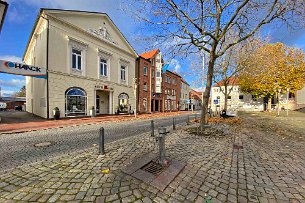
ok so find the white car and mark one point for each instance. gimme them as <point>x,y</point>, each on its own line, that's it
<point>2,106</point>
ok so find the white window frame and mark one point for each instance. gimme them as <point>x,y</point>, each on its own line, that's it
<point>82,47</point>
<point>124,63</point>
<point>145,72</point>
<point>103,69</point>
<point>106,56</point>
<point>77,57</point>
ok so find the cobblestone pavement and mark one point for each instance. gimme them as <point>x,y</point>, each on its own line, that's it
<point>19,149</point>
<point>263,166</point>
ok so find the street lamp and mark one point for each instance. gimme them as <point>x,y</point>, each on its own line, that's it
<point>287,100</point>
<point>135,86</point>
<point>3,9</point>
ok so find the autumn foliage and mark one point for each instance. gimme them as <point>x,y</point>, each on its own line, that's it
<point>272,67</point>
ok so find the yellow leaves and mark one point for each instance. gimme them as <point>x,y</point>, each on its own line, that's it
<point>273,66</point>
<point>105,171</point>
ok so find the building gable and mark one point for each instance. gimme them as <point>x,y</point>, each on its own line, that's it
<point>98,24</point>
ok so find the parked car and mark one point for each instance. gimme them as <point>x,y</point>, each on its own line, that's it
<point>2,106</point>
<point>18,108</point>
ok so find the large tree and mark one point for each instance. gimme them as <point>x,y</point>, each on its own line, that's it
<point>271,68</point>
<point>21,92</point>
<point>188,26</point>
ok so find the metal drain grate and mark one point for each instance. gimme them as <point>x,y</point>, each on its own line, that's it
<point>153,167</point>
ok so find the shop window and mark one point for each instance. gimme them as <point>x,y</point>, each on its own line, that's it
<point>76,59</point>
<point>76,102</point>
<point>124,106</point>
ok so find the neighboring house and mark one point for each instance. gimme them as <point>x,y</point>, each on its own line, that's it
<point>295,101</point>
<point>237,100</point>
<point>89,62</point>
<point>195,100</point>
<point>171,88</point>
<point>149,78</point>
<point>12,102</point>
<point>3,10</point>
<point>184,98</point>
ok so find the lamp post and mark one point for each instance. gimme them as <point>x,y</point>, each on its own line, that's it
<point>278,102</point>
<point>287,100</point>
<point>135,85</point>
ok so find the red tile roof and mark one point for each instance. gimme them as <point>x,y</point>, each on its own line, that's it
<point>232,81</point>
<point>150,54</point>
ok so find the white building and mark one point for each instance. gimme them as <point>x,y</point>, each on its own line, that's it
<point>237,100</point>
<point>184,96</point>
<point>89,63</point>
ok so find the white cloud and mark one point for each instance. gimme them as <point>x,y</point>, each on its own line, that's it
<point>12,83</point>
<point>11,58</point>
<point>7,93</point>
<point>175,65</point>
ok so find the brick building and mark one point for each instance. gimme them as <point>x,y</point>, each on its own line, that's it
<point>149,78</point>
<point>171,88</point>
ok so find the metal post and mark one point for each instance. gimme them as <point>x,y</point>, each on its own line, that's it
<point>152,126</point>
<point>162,133</point>
<point>188,119</point>
<point>287,100</point>
<point>102,141</point>
<point>174,124</point>
<point>196,116</point>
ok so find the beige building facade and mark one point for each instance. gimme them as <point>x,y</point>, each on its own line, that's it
<point>90,65</point>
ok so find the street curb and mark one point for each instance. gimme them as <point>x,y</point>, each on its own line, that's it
<point>42,129</point>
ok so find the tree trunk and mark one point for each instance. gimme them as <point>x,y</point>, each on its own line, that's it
<point>206,93</point>
<point>226,98</point>
<point>269,104</point>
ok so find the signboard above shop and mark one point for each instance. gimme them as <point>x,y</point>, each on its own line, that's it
<point>22,69</point>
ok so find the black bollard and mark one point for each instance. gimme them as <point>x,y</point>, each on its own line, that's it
<point>174,124</point>
<point>102,141</point>
<point>152,127</point>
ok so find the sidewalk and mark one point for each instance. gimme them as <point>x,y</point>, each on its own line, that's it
<point>48,124</point>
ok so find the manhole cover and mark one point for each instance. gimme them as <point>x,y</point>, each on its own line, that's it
<point>43,144</point>
<point>154,168</point>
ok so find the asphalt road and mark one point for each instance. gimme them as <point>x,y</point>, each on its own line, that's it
<point>19,149</point>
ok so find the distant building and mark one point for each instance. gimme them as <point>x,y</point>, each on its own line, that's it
<point>171,87</point>
<point>12,102</point>
<point>237,100</point>
<point>149,78</point>
<point>185,96</point>
<point>195,100</point>
<point>90,65</point>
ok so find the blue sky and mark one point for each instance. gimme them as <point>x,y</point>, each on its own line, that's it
<point>21,16</point>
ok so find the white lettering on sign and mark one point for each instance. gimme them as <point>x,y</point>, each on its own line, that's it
<point>22,69</point>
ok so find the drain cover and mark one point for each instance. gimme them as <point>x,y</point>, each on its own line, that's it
<point>43,144</point>
<point>154,168</point>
